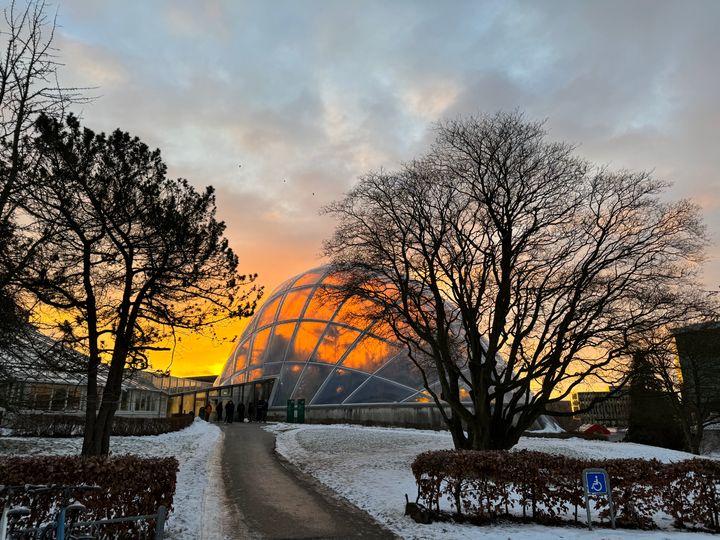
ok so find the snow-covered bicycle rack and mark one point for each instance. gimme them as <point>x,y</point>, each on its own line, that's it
<point>63,531</point>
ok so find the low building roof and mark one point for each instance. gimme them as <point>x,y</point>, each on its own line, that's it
<point>35,358</point>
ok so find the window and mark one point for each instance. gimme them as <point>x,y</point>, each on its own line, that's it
<point>58,398</point>
<point>74,398</point>
<point>41,396</point>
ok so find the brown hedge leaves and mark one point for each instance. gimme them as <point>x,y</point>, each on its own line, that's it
<point>130,486</point>
<point>66,425</point>
<point>489,485</point>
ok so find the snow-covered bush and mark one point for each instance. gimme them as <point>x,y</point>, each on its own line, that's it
<point>66,425</point>
<point>128,486</point>
<point>488,485</point>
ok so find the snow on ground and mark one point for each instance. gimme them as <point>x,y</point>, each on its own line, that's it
<point>371,468</point>
<point>584,449</point>
<point>197,451</point>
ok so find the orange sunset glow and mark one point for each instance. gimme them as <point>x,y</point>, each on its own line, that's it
<point>283,123</point>
<point>321,349</point>
<point>202,354</point>
<point>359,269</point>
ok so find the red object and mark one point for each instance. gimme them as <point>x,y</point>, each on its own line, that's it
<point>591,429</point>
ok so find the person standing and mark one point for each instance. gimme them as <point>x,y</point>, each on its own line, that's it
<point>251,411</point>
<point>263,409</point>
<point>229,411</point>
<point>208,411</point>
<point>219,408</point>
<point>241,412</point>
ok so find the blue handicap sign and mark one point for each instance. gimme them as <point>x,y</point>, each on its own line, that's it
<point>596,482</point>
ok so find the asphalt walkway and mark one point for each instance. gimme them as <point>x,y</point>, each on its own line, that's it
<point>273,499</point>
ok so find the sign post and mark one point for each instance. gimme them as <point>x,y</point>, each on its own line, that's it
<point>300,417</point>
<point>290,418</point>
<point>597,482</point>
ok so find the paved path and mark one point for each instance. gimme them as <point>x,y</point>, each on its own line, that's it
<point>275,500</point>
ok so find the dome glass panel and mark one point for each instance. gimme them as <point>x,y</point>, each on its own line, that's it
<point>378,391</point>
<point>318,309</point>
<point>369,354</point>
<point>312,378</point>
<point>309,278</point>
<point>259,345</point>
<point>293,304</point>
<point>267,313</point>
<point>334,343</point>
<point>401,369</point>
<point>321,348</point>
<point>306,339</point>
<point>279,343</point>
<point>272,368</point>
<point>241,357</point>
<point>339,386</point>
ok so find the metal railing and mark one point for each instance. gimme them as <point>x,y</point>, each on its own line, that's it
<point>59,527</point>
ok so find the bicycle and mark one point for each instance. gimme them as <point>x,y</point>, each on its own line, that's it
<point>11,514</point>
<point>60,527</point>
<point>64,523</point>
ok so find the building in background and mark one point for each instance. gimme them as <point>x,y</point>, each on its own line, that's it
<point>40,376</point>
<point>698,348</point>
<point>611,412</point>
<point>321,351</point>
<point>345,367</point>
<point>568,422</point>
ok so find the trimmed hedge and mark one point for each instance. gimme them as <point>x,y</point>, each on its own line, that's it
<point>130,486</point>
<point>485,486</point>
<point>66,425</point>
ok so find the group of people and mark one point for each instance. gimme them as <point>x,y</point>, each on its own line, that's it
<point>228,412</point>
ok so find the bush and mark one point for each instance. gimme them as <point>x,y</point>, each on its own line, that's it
<point>489,485</point>
<point>65,425</point>
<point>130,486</point>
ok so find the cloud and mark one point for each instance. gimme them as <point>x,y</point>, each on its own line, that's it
<point>283,105</point>
<point>96,65</point>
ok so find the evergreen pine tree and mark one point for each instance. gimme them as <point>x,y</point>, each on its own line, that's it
<point>652,419</point>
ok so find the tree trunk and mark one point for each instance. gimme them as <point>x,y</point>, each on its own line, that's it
<point>99,441</point>
<point>688,436</point>
<point>105,422</point>
<point>505,439</point>
<point>696,439</point>
<point>454,424</point>
<point>90,411</point>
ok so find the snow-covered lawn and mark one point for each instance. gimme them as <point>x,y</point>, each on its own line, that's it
<point>371,468</point>
<point>368,466</point>
<point>197,451</point>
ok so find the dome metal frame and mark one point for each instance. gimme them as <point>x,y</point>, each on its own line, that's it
<point>368,384</point>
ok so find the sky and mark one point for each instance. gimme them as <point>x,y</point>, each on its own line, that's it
<point>282,105</point>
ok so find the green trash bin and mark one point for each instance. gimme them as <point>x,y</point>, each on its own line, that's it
<point>290,411</point>
<point>300,411</point>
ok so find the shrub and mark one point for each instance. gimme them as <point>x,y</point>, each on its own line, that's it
<point>489,485</point>
<point>65,425</point>
<point>130,486</point>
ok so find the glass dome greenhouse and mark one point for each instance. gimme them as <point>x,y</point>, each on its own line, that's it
<point>321,351</point>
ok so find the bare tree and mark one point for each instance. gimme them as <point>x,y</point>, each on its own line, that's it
<point>28,86</point>
<point>124,257</point>
<point>518,269</point>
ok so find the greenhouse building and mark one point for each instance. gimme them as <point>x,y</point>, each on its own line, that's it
<point>303,345</point>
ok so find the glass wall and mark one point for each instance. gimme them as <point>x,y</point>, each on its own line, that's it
<point>174,405</point>
<point>321,350</point>
<point>200,401</point>
<point>240,393</point>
